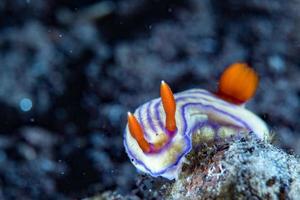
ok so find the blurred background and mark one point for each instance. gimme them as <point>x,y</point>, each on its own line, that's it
<point>70,70</point>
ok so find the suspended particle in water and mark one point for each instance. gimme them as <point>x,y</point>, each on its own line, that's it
<point>25,104</point>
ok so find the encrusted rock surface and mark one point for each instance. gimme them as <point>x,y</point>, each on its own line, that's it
<point>244,169</point>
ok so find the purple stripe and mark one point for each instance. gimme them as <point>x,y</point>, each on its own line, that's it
<point>149,118</point>
<point>204,92</point>
<point>220,101</point>
<point>158,116</point>
<point>142,122</point>
<point>207,107</point>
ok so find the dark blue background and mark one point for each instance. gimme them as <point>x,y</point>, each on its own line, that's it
<point>83,64</point>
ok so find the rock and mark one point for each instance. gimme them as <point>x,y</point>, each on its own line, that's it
<point>112,196</point>
<point>244,169</point>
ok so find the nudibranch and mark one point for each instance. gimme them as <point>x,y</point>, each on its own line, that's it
<point>161,132</point>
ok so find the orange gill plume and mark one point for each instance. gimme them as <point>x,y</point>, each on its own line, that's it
<point>169,106</point>
<point>238,83</point>
<point>136,132</point>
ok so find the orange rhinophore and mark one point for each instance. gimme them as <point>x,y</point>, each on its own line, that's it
<point>136,132</point>
<point>169,105</point>
<point>238,83</point>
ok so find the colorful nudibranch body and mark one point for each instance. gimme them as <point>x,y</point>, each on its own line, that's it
<point>162,131</point>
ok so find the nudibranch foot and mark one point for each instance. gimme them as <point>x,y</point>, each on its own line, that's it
<point>161,132</point>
